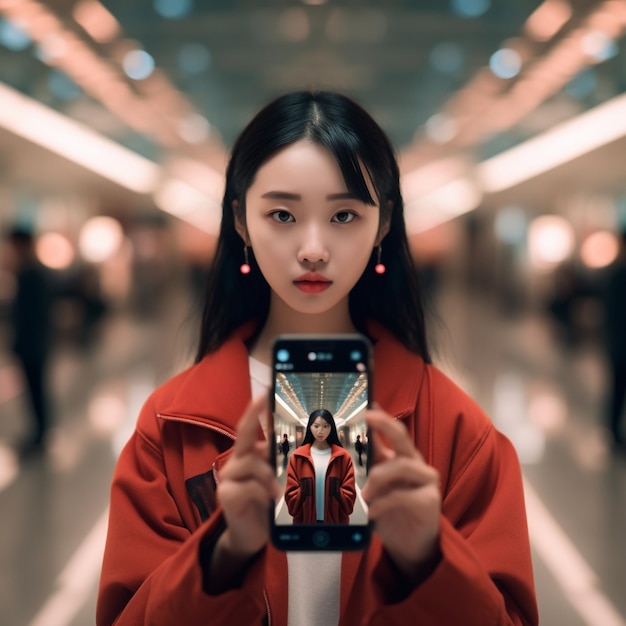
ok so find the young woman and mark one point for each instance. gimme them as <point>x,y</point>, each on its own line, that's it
<point>313,241</point>
<point>320,478</point>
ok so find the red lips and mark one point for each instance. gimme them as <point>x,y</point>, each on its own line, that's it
<point>312,282</point>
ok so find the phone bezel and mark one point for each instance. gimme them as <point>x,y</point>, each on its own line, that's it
<point>313,537</point>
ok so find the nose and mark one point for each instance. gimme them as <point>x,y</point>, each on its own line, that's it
<point>312,248</point>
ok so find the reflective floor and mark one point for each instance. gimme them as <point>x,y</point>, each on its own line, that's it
<point>546,399</point>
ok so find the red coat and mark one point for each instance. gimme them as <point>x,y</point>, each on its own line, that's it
<point>164,514</point>
<point>339,487</point>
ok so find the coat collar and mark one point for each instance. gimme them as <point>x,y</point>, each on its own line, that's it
<point>398,373</point>
<point>217,389</point>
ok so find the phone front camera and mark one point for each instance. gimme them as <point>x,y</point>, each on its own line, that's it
<point>282,355</point>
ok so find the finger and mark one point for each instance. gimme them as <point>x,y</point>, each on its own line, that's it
<point>248,427</point>
<point>248,467</point>
<point>399,474</point>
<point>422,503</point>
<point>380,450</point>
<point>394,432</point>
<point>240,498</point>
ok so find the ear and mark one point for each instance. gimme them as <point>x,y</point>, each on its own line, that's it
<point>240,225</point>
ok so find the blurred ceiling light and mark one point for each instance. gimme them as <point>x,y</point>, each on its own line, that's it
<point>138,64</point>
<point>173,9</point>
<point>55,251</point>
<point>186,202</point>
<point>548,19</point>
<point>102,79</point>
<point>200,176</point>
<point>432,176</point>
<point>599,249</point>
<point>194,129</point>
<point>599,46</point>
<point>441,128</point>
<point>294,24</point>
<point>451,200</point>
<point>100,238</point>
<point>550,241</point>
<point>505,63</point>
<point>314,2</point>
<point>567,141</point>
<point>14,35</point>
<point>96,21</point>
<point>470,8</point>
<point>45,127</point>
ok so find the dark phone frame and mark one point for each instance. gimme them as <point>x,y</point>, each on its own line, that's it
<point>312,537</point>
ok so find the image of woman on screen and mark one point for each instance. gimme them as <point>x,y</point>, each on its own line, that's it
<point>320,477</point>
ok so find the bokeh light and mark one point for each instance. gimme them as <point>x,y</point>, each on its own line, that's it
<point>599,249</point>
<point>441,128</point>
<point>138,64</point>
<point>55,251</point>
<point>599,46</point>
<point>470,8</point>
<point>173,9</point>
<point>550,241</point>
<point>505,63</point>
<point>100,238</point>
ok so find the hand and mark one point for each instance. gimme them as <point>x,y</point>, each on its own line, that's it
<point>403,496</point>
<point>246,487</point>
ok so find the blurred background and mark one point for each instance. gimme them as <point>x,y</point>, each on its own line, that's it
<point>509,119</point>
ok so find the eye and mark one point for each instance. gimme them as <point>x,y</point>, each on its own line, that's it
<point>284,217</point>
<point>344,217</point>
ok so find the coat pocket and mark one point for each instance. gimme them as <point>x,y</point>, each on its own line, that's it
<point>306,487</point>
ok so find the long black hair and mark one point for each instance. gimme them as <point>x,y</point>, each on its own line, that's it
<point>327,416</point>
<point>339,124</point>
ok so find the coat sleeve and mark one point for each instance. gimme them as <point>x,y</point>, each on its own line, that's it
<point>485,573</point>
<point>153,570</point>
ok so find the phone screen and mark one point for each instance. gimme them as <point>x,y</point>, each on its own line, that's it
<point>319,446</point>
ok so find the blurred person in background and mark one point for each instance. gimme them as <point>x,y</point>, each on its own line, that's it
<point>615,336</point>
<point>31,325</point>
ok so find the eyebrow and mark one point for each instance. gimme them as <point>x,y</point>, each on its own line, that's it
<point>286,195</point>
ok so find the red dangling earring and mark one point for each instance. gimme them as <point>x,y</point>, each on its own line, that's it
<point>380,267</point>
<point>245,266</point>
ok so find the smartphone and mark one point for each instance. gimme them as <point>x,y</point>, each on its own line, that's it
<point>319,442</point>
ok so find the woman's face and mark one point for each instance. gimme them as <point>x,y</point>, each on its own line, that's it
<point>311,238</point>
<point>320,429</point>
